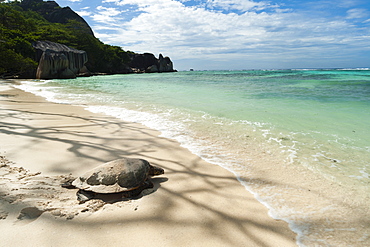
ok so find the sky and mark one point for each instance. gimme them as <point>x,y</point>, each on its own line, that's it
<point>236,34</point>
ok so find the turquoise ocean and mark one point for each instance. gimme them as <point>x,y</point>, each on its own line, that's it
<point>299,140</point>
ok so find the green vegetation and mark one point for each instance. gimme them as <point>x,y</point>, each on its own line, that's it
<point>20,27</point>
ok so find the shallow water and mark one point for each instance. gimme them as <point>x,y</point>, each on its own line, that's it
<point>297,139</point>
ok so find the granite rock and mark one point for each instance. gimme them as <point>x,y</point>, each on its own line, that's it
<point>58,61</point>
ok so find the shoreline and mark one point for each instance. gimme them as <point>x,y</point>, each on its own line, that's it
<point>194,201</point>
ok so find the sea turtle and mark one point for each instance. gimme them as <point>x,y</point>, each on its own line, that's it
<point>129,177</point>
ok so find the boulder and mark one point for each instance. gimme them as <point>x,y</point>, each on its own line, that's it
<point>58,61</point>
<point>84,72</point>
<point>152,69</point>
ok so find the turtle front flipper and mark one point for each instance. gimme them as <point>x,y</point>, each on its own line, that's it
<point>84,195</point>
<point>136,192</point>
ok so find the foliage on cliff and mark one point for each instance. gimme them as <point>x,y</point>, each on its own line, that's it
<point>20,26</point>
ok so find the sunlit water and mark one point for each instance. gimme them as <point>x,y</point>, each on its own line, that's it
<point>299,140</point>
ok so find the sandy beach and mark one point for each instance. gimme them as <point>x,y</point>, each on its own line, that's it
<point>193,204</point>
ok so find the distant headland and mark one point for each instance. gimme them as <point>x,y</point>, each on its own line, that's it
<point>45,41</point>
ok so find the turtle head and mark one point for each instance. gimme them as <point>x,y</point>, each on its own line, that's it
<point>154,171</point>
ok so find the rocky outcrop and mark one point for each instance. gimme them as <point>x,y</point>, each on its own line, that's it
<point>165,64</point>
<point>148,63</point>
<point>57,61</point>
<point>141,62</point>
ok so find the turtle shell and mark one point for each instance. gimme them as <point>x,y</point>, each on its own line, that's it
<point>115,176</point>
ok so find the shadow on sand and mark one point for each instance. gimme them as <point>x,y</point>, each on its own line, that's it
<point>86,144</point>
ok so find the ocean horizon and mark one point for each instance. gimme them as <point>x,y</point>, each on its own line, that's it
<point>297,139</point>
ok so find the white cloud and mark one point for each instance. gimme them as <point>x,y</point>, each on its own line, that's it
<point>106,15</point>
<point>188,32</point>
<point>357,13</point>
<point>84,13</point>
<point>108,11</point>
<point>347,3</point>
<point>241,5</point>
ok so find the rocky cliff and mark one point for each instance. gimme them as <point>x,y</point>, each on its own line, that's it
<point>57,61</point>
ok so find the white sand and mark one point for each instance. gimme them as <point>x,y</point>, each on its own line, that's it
<point>193,204</point>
